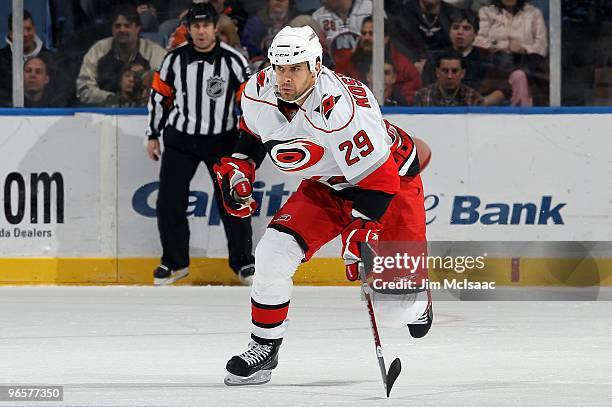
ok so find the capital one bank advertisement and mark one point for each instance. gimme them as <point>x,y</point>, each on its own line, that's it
<point>484,182</point>
<point>542,178</point>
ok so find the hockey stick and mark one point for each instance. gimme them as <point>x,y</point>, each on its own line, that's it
<point>388,377</point>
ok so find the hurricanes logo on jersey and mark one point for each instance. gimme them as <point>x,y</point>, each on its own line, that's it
<point>327,105</point>
<point>294,155</point>
<point>261,80</point>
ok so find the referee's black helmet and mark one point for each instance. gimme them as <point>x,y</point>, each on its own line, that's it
<point>199,12</point>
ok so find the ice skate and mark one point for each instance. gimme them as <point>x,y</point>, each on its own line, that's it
<point>420,327</point>
<point>164,275</point>
<point>253,366</point>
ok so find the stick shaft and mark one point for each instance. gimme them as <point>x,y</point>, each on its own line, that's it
<point>377,344</point>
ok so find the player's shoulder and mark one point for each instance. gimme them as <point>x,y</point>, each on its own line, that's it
<point>336,102</point>
<point>259,89</point>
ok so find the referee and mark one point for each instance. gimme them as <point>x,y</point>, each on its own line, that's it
<point>192,101</point>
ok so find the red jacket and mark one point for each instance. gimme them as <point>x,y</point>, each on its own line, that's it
<point>408,78</point>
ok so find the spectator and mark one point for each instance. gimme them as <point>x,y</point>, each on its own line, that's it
<point>104,61</point>
<point>393,97</point>
<point>262,27</point>
<point>421,26</point>
<point>448,90</point>
<point>512,26</point>
<point>32,46</point>
<point>227,32</point>
<point>85,23</point>
<point>177,29</point>
<point>134,84</point>
<point>515,31</point>
<point>148,16</point>
<point>480,72</point>
<point>36,85</point>
<point>88,12</point>
<point>233,9</point>
<point>341,21</point>
<point>357,66</point>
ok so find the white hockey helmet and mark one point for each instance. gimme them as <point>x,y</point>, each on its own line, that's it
<point>293,45</point>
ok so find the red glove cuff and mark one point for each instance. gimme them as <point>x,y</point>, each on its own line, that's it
<point>358,231</point>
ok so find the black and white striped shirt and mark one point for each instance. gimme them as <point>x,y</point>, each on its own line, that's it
<point>195,92</point>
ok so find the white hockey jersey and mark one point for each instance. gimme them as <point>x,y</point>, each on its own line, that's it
<point>337,137</point>
<point>343,35</point>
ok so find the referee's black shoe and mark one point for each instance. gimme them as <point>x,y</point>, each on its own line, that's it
<point>246,273</point>
<point>164,275</point>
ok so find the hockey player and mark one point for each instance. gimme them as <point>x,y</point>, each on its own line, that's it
<point>360,181</point>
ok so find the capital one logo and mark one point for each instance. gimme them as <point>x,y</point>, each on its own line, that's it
<point>470,210</point>
<point>202,204</point>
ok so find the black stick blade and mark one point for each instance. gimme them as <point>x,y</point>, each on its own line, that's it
<point>394,371</point>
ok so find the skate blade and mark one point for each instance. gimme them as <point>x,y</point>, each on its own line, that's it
<point>261,377</point>
<point>179,275</point>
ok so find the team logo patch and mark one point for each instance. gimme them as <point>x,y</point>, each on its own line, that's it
<point>294,155</point>
<point>327,105</point>
<point>215,87</point>
<point>261,80</point>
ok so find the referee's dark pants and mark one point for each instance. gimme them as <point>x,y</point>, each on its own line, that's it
<point>180,159</point>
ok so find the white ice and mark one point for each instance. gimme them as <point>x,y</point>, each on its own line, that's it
<point>151,346</point>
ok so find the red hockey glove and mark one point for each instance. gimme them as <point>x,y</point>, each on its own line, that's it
<point>235,178</point>
<point>358,231</point>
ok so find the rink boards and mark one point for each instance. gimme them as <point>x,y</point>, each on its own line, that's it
<point>78,198</point>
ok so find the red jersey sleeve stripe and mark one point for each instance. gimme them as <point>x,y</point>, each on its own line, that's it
<point>385,178</point>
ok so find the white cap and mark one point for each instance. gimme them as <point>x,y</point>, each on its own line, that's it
<point>293,45</point>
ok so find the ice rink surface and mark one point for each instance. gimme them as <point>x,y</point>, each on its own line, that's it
<point>147,346</point>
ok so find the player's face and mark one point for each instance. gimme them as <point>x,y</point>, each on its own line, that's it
<point>449,74</point>
<point>293,80</point>
<point>462,35</point>
<point>203,34</point>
